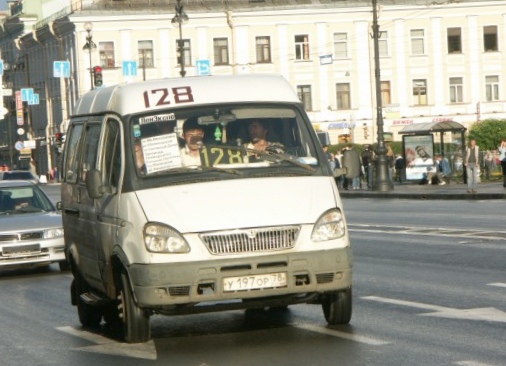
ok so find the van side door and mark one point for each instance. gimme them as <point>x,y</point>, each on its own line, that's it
<point>79,214</point>
<point>107,218</point>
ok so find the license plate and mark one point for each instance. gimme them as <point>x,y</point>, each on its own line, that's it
<point>254,282</point>
<point>21,250</point>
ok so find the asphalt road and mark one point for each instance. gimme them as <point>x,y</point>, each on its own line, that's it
<point>429,289</point>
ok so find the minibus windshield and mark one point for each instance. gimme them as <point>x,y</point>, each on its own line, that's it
<point>225,139</point>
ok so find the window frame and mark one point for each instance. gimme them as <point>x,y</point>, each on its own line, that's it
<point>490,39</point>
<point>220,58</point>
<point>306,97</point>
<point>420,98</point>
<point>302,49</point>
<point>142,51</point>
<point>343,96</point>
<point>454,39</point>
<point>492,88</point>
<point>263,49</point>
<point>415,39</point>
<point>338,43</point>
<point>456,85</point>
<point>107,56</point>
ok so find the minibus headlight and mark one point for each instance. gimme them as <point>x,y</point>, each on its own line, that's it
<point>329,226</point>
<point>163,239</point>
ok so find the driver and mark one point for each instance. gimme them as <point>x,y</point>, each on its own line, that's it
<point>193,135</point>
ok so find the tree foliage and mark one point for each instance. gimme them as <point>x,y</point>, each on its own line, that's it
<point>488,133</point>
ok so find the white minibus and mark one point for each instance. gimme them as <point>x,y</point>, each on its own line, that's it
<point>200,194</point>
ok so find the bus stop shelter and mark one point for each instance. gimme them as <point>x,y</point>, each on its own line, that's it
<point>422,138</point>
<point>436,128</point>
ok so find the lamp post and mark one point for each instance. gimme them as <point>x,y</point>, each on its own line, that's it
<point>383,182</point>
<point>89,46</point>
<point>180,18</point>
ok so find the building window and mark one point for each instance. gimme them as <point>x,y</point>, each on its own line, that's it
<point>343,96</point>
<point>492,88</point>
<point>420,92</point>
<point>186,52</point>
<point>454,40</point>
<point>145,49</point>
<point>106,50</point>
<point>385,93</point>
<point>263,47</point>
<point>456,90</point>
<point>304,93</point>
<point>417,42</point>
<point>221,51</point>
<point>383,44</point>
<point>340,45</point>
<point>302,47</point>
<point>490,38</point>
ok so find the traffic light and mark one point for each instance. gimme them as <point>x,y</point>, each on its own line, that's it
<point>97,76</point>
<point>58,138</point>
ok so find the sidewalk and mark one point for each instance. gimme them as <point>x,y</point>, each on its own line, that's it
<point>413,190</point>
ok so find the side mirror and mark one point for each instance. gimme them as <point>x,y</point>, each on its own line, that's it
<point>59,205</point>
<point>94,183</point>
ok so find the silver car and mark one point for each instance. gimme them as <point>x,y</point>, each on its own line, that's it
<point>31,230</point>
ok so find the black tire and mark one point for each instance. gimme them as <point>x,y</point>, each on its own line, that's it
<point>136,326</point>
<point>64,266</point>
<point>89,316</point>
<point>337,307</point>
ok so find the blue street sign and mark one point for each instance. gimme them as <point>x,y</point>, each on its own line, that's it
<point>34,100</point>
<point>203,67</point>
<point>26,94</point>
<point>61,69</point>
<point>1,67</point>
<point>129,68</point>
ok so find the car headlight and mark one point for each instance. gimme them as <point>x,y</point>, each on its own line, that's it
<point>159,238</point>
<point>329,226</point>
<point>53,233</point>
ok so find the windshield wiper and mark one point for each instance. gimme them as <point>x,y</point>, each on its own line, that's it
<point>277,158</point>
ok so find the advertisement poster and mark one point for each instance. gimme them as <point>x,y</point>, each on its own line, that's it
<point>418,154</point>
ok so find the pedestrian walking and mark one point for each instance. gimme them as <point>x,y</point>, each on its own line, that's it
<point>472,163</point>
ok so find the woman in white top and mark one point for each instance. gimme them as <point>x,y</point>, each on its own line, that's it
<point>502,158</point>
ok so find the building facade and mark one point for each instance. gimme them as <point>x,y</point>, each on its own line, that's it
<point>438,61</point>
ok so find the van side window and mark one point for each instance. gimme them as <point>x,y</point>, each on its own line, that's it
<point>69,171</point>
<point>111,163</point>
<point>90,144</point>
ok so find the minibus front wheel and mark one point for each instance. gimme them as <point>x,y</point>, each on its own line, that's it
<point>136,326</point>
<point>337,307</point>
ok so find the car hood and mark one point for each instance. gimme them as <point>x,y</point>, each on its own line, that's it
<point>239,203</point>
<point>30,221</point>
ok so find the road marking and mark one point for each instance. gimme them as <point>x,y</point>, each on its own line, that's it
<point>339,334</point>
<point>449,232</point>
<point>107,346</point>
<point>471,363</point>
<point>484,314</point>
<point>497,284</point>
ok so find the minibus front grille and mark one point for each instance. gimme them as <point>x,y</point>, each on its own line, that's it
<point>251,240</point>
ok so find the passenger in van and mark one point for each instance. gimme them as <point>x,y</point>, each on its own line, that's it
<point>258,131</point>
<point>193,135</point>
<point>139,158</point>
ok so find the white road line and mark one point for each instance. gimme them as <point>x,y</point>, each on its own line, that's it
<point>107,346</point>
<point>497,284</point>
<point>336,333</point>
<point>471,363</point>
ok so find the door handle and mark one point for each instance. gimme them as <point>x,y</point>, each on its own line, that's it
<point>72,211</point>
